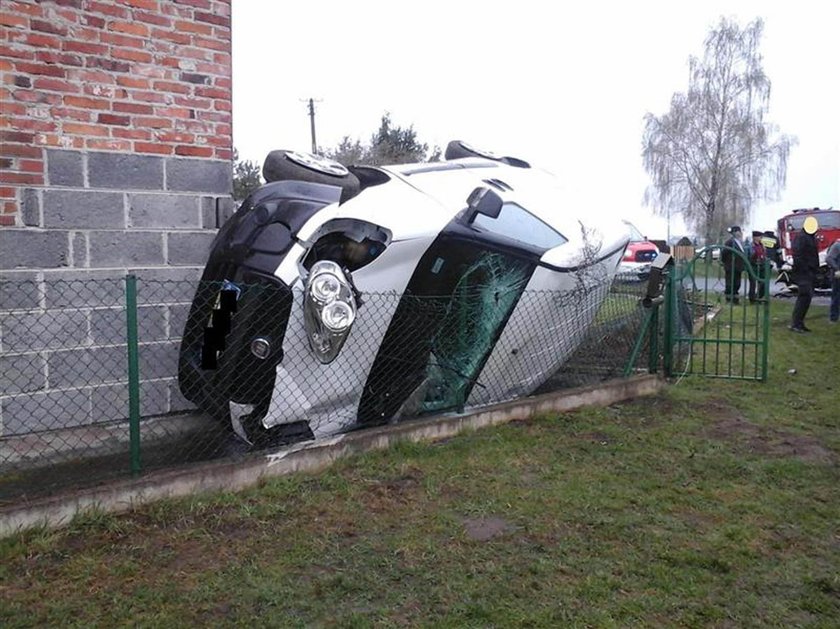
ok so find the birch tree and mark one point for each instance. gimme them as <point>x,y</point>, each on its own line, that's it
<point>713,155</point>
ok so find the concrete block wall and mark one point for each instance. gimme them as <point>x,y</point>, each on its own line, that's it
<point>115,157</point>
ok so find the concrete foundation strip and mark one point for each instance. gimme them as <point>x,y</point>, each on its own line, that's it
<point>229,475</point>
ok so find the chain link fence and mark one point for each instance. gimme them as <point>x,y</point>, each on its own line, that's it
<point>104,378</point>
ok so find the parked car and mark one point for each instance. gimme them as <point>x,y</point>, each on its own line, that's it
<point>342,297</point>
<point>637,258</point>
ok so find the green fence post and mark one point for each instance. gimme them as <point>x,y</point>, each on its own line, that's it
<point>766,332</point>
<point>668,332</point>
<point>653,355</point>
<point>133,371</point>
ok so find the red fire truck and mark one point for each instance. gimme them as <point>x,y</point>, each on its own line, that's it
<point>829,230</point>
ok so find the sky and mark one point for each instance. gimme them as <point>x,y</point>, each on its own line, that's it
<point>564,86</point>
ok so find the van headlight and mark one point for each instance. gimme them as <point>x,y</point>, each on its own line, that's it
<point>329,310</point>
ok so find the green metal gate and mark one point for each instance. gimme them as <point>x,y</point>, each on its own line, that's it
<point>712,329</point>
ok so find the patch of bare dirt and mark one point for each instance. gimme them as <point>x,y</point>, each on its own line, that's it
<point>484,529</point>
<point>747,436</point>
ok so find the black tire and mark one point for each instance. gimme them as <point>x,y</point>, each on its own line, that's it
<point>285,165</point>
<point>457,149</point>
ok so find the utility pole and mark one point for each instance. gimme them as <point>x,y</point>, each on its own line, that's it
<point>312,125</point>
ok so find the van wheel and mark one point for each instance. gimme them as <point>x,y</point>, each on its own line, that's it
<point>283,165</point>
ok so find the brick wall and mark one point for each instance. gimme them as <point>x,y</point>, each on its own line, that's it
<point>115,149</point>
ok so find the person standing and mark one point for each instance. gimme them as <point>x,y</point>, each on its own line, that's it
<point>757,255</point>
<point>733,264</point>
<point>806,263</point>
<point>832,258</point>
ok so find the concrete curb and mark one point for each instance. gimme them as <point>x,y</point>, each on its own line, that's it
<point>307,457</point>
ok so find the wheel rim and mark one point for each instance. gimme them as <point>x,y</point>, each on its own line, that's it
<point>317,163</point>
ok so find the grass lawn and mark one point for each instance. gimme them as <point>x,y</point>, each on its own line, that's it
<point>716,503</point>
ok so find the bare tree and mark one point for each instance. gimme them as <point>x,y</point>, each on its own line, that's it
<point>712,156</point>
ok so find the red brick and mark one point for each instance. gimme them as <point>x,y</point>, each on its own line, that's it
<point>7,192</point>
<point>108,9</point>
<point>64,141</point>
<point>148,97</point>
<point>212,44</point>
<point>171,87</point>
<point>16,52</point>
<point>28,96</point>
<point>130,28</point>
<point>66,113</point>
<point>7,220</point>
<point>88,77</point>
<point>195,53</point>
<point>87,103</point>
<point>131,55</point>
<point>149,147</point>
<point>85,47</point>
<point>198,4</point>
<point>13,21</point>
<point>31,166</point>
<point>173,36</point>
<point>36,40</point>
<point>152,18</point>
<point>175,112</point>
<point>17,136</point>
<point>30,178</point>
<point>175,137</point>
<point>211,92</point>
<point>212,18</point>
<point>106,91</point>
<point>133,81</point>
<point>56,85</point>
<point>192,102</point>
<point>26,8</point>
<point>221,105</point>
<point>148,5</point>
<point>93,21</point>
<point>48,56</point>
<point>193,151</point>
<point>68,15</point>
<point>125,41</point>
<point>34,124</point>
<point>133,108</point>
<point>48,27</point>
<point>192,27</point>
<point>108,145</point>
<point>19,150</point>
<point>108,64</point>
<point>40,69</point>
<point>84,129</point>
<point>113,119</point>
<point>131,133</point>
<point>152,123</point>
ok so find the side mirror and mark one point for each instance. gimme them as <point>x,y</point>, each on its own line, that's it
<point>656,281</point>
<point>483,201</point>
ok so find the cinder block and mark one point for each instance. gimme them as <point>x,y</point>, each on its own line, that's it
<point>84,289</point>
<point>215,211</point>
<point>87,367</point>
<point>125,248</point>
<point>65,168</point>
<point>26,248</point>
<point>30,207</point>
<point>108,326</point>
<point>109,403</point>
<point>83,209</point>
<point>189,249</point>
<point>178,320</point>
<point>45,411</point>
<point>43,330</point>
<point>167,286</point>
<point>199,175</point>
<point>167,211</point>
<point>125,172</point>
<point>19,290</point>
<point>159,360</point>
<point>21,373</point>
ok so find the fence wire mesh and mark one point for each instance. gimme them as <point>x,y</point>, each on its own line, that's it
<point>227,370</point>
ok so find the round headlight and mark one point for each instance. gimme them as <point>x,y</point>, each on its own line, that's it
<point>325,287</point>
<point>338,316</point>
